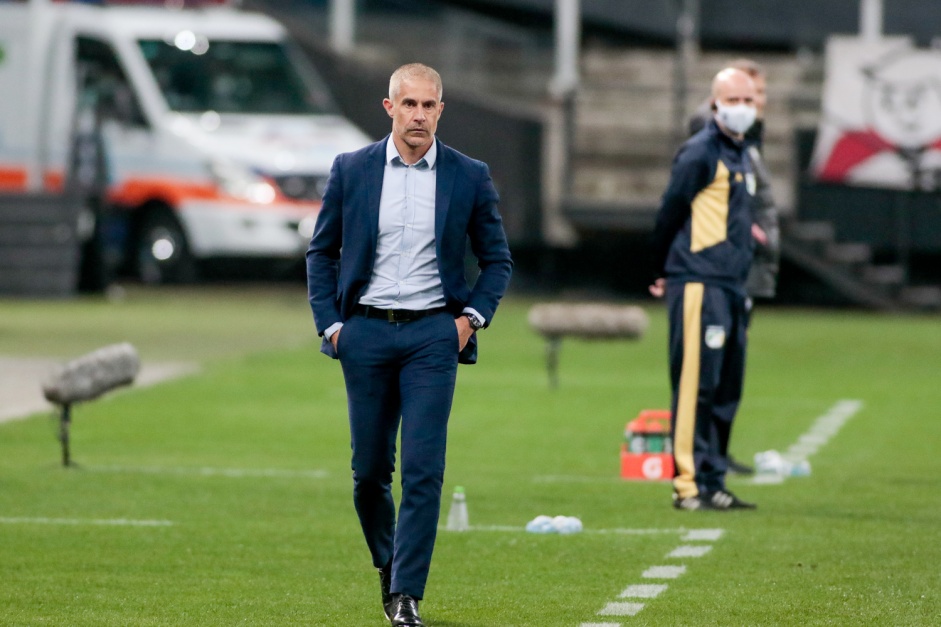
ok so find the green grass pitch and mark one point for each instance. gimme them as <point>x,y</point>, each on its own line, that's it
<point>245,466</point>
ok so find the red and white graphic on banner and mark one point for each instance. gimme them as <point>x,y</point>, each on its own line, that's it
<point>881,119</point>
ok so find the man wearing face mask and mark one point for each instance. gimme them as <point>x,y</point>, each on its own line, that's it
<point>763,276</point>
<point>703,245</point>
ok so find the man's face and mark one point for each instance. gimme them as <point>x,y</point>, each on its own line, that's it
<point>737,89</point>
<point>415,112</point>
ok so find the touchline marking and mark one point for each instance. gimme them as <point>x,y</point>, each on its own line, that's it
<point>653,590</point>
<point>663,572</point>
<point>600,625</point>
<point>620,608</point>
<point>643,591</point>
<point>689,551</point>
<point>710,534</point>
<point>823,429</point>
<point>116,522</point>
<point>233,473</point>
<point>820,433</point>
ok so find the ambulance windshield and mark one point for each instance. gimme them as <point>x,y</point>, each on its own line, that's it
<point>247,77</point>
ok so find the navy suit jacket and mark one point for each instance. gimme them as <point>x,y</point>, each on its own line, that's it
<point>343,248</point>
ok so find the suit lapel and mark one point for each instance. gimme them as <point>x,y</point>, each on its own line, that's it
<point>374,166</point>
<point>444,184</point>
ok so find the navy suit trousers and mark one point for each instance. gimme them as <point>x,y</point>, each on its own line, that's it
<point>399,373</point>
<point>707,368</point>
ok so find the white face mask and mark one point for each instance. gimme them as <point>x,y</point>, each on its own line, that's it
<point>737,118</point>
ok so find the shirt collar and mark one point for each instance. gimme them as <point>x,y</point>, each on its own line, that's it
<point>430,157</point>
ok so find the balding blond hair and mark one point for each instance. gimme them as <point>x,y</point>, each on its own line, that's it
<point>411,71</point>
<point>725,76</point>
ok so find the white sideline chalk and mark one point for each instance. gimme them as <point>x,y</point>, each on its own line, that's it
<point>706,535</point>
<point>663,572</point>
<point>233,473</point>
<point>643,591</point>
<point>621,609</point>
<point>115,522</point>
<point>688,550</point>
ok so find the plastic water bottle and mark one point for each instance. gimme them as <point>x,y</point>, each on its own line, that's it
<point>457,516</point>
<point>800,468</point>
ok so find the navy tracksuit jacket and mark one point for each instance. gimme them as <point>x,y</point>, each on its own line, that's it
<point>703,246</point>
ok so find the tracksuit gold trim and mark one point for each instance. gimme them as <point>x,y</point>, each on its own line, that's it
<point>710,212</point>
<point>684,483</point>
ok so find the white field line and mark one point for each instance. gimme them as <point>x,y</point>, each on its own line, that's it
<point>114,522</point>
<point>692,534</point>
<point>816,437</point>
<point>621,608</point>
<point>653,590</point>
<point>823,429</point>
<point>232,473</point>
<point>663,572</point>
<point>702,535</point>
<point>689,551</point>
<point>643,591</point>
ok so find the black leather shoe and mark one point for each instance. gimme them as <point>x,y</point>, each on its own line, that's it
<point>385,583</point>
<point>406,612</point>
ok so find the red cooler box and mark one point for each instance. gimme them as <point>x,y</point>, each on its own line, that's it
<point>647,452</point>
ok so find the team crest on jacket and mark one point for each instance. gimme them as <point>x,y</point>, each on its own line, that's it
<point>750,183</point>
<point>715,336</point>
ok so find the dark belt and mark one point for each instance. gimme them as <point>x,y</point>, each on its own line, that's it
<point>395,315</point>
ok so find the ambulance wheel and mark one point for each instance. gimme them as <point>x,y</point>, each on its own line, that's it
<point>162,252</point>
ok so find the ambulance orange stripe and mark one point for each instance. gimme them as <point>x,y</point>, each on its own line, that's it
<point>12,179</point>
<point>133,192</point>
<point>53,180</point>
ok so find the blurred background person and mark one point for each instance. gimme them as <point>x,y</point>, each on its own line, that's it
<point>763,276</point>
<point>703,245</point>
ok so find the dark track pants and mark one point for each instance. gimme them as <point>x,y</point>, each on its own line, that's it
<point>399,372</point>
<point>707,368</point>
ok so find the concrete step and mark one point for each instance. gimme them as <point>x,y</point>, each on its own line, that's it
<point>926,297</point>
<point>651,64</point>
<point>811,232</point>
<point>886,275</point>
<point>628,185</point>
<point>850,254</point>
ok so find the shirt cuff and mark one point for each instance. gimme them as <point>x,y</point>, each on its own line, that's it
<point>477,316</point>
<point>333,328</point>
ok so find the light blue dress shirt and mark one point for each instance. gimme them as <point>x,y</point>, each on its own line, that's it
<point>405,274</point>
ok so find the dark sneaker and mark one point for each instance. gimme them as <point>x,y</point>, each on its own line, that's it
<point>739,468</point>
<point>385,584</point>
<point>690,503</point>
<point>725,500</point>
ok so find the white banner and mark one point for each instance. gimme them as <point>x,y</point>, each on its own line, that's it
<point>881,119</point>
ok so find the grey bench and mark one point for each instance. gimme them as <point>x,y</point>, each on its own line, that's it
<point>586,321</point>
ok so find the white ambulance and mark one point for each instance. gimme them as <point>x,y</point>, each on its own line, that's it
<point>216,136</point>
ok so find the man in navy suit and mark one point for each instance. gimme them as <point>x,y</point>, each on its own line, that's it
<point>386,282</point>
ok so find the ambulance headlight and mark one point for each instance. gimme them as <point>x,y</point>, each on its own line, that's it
<point>240,182</point>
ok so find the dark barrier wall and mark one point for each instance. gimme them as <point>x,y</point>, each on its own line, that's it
<point>510,143</point>
<point>888,220</point>
<point>39,250</point>
<point>785,24</point>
